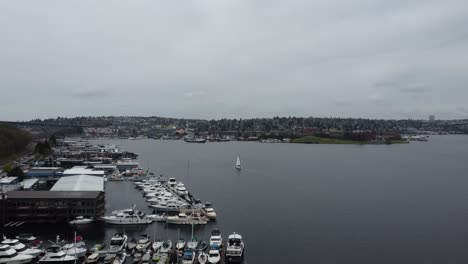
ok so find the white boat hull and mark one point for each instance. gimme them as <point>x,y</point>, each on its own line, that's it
<point>19,259</point>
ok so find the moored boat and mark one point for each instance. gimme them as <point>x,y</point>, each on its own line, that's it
<point>81,220</point>
<point>235,248</point>
<point>9,256</point>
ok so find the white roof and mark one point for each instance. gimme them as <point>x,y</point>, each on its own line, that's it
<point>7,180</point>
<point>82,170</point>
<point>79,183</point>
<point>28,183</point>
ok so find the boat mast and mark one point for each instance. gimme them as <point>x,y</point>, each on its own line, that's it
<point>75,247</point>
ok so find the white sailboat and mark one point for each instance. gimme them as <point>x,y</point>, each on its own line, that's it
<point>238,162</point>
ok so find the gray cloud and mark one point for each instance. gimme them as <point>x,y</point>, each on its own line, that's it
<point>213,59</point>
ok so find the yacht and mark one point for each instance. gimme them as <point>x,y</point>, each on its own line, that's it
<point>216,239</point>
<point>120,259</point>
<point>188,257</point>
<point>143,243</point>
<point>163,259</point>
<point>184,219</point>
<point>118,243</point>
<point>169,206</point>
<point>93,258</point>
<point>172,182</point>
<point>55,255</point>
<point>180,189</point>
<point>26,237</point>
<point>192,244</point>
<point>166,247</point>
<point>180,244</point>
<point>127,217</point>
<point>235,248</point>
<point>209,211</point>
<point>10,256</point>
<point>213,256</point>
<point>146,258</point>
<point>202,258</point>
<point>132,244</point>
<point>81,220</point>
<point>20,248</point>
<point>157,244</point>
<point>75,249</point>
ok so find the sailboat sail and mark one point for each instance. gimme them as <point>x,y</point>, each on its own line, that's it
<point>238,162</point>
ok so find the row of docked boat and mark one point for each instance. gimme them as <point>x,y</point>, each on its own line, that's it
<point>14,251</point>
<point>172,197</point>
<point>145,251</point>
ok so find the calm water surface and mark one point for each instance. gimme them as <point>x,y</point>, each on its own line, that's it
<point>316,203</point>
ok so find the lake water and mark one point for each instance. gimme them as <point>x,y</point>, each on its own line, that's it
<point>316,203</point>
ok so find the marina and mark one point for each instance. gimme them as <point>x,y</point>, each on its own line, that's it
<point>168,203</point>
<point>291,179</point>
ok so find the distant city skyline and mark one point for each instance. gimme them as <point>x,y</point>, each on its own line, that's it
<point>234,59</point>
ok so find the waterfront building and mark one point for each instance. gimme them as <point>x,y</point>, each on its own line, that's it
<point>51,206</point>
<point>83,170</point>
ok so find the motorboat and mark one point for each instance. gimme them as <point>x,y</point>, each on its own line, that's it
<point>188,257</point>
<point>166,247</point>
<point>146,258</point>
<point>120,259</point>
<point>184,219</point>
<point>109,259</point>
<point>118,243</point>
<point>180,244</point>
<point>164,259</point>
<point>96,248</point>
<point>192,244</point>
<point>235,248</point>
<point>180,189</point>
<point>132,244</point>
<point>202,246</point>
<point>9,256</point>
<point>81,220</point>
<point>216,238</point>
<point>55,255</point>
<point>172,182</point>
<point>169,206</point>
<point>157,244</point>
<point>78,250</point>
<point>137,257</point>
<point>157,217</point>
<point>156,257</point>
<point>202,258</point>
<point>213,256</point>
<point>26,238</point>
<point>127,217</point>
<point>20,248</point>
<point>143,243</point>
<point>209,211</point>
<point>93,258</point>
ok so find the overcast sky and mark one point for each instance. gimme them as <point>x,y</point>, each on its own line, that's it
<point>214,59</point>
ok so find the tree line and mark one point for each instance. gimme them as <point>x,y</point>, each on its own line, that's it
<point>12,140</point>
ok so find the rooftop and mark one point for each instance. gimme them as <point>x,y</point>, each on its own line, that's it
<point>28,183</point>
<point>7,180</point>
<point>79,183</point>
<point>81,170</point>
<point>52,195</point>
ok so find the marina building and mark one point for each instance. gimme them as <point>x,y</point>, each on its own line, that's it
<point>83,170</point>
<point>72,196</point>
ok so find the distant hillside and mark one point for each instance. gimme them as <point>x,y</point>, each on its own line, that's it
<point>12,141</point>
